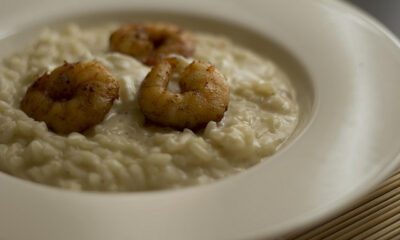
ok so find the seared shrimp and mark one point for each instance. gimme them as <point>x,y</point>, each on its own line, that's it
<point>151,42</point>
<point>204,95</point>
<point>72,98</point>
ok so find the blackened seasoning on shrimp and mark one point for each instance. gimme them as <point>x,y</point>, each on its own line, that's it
<point>72,98</point>
<point>152,41</point>
<point>204,95</point>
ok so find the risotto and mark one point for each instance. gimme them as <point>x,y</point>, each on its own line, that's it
<point>124,153</point>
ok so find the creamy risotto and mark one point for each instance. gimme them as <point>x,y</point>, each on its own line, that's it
<point>124,153</point>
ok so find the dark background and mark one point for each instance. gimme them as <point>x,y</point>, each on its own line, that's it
<point>386,11</point>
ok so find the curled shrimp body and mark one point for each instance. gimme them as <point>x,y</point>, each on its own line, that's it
<point>204,94</point>
<point>151,42</point>
<point>72,98</point>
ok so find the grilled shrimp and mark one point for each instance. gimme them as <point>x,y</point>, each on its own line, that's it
<point>151,42</point>
<point>203,97</point>
<point>72,98</point>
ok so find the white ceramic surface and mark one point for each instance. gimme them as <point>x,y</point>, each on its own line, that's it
<point>349,141</point>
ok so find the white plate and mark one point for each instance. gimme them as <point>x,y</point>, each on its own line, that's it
<point>348,141</point>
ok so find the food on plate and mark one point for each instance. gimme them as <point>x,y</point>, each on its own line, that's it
<point>202,95</point>
<point>124,151</point>
<point>72,98</point>
<point>150,42</point>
